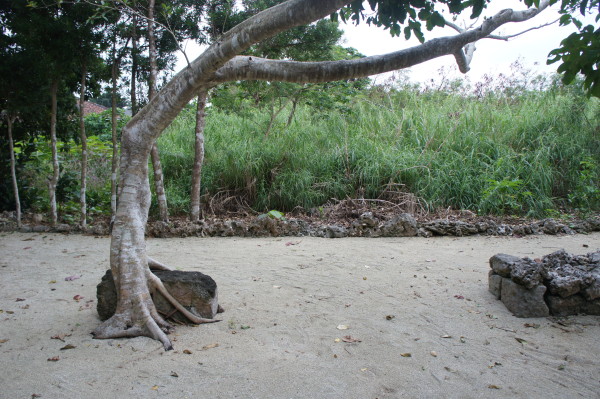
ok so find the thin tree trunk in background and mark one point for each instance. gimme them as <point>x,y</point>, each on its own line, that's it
<point>134,65</point>
<point>13,169</point>
<point>291,117</point>
<point>53,180</point>
<point>152,52</point>
<point>84,155</point>
<point>159,185</point>
<point>198,157</point>
<point>115,145</point>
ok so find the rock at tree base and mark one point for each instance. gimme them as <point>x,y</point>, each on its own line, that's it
<point>559,284</point>
<point>196,291</point>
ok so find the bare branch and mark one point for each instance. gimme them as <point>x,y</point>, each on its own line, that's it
<point>507,37</point>
<point>464,56</point>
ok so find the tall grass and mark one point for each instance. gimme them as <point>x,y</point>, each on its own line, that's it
<point>517,154</point>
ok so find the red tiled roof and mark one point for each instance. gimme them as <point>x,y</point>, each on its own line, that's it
<point>92,108</point>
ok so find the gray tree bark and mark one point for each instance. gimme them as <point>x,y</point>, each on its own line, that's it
<point>198,157</point>
<point>136,314</point>
<point>10,120</point>
<point>159,184</point>
<point>84,154</point>
<point>134,65</point>
<point>115,144</point>
<point>53,180</point>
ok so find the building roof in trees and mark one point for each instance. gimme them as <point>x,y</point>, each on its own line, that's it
<point>92,108</point>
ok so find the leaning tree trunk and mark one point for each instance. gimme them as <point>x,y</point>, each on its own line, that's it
<point>84,155</point>
<point>198,157</point>
<point>13,169</point>
<point>159,184</point>
<point>53,180</point>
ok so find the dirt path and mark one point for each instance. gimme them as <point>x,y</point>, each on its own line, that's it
<point>428,326</point>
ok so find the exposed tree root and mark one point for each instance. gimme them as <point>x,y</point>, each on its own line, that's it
<point>142,319</point>
<point>156,265</point>
<point>158,285</point>
<point>126,325</point>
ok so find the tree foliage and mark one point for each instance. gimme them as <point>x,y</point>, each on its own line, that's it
<point>580,51</point>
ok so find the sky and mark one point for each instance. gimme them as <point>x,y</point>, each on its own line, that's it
<point>491,57</point>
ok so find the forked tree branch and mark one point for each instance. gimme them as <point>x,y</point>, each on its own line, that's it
<point>254,68</point>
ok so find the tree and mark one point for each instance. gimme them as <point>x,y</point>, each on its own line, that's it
<point>136,314</point>
<point>198,156</point>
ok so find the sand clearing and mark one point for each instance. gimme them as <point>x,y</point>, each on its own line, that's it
<point>423,322</point>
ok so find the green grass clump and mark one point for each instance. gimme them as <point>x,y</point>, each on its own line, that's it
<point>521,154</point>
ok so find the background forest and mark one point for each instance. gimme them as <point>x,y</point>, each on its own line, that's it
<point>517,144</point>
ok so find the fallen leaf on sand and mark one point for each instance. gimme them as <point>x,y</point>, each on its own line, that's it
<point>187,351</point>
<point>52,282</point>
<point>406,354</point>
<point>54,359</point>
<point>494,387</point>
<point>69,346</point>
<point>60,337</point>
<point>19,300</point>
<point>78,298</point>
<point>364,369</point>
<point>342,327</point>
<point>531,325</point>
<point>459,297</point>
<point>35,395</point>
<point>155,388</point>
<point>174,374</point>
<point>3,341</point>
<point>349,339</point>
<point>287,244</point>
<point>210,346</point>
<point>71,278</point>
<point>389,317</point>
<point>521,340</point>
<point>337,340</point>
<point>27,248</point>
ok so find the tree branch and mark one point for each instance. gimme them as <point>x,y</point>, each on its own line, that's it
<point>254,68</point>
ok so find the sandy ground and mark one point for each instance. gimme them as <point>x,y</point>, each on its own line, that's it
<point>427,325</point>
